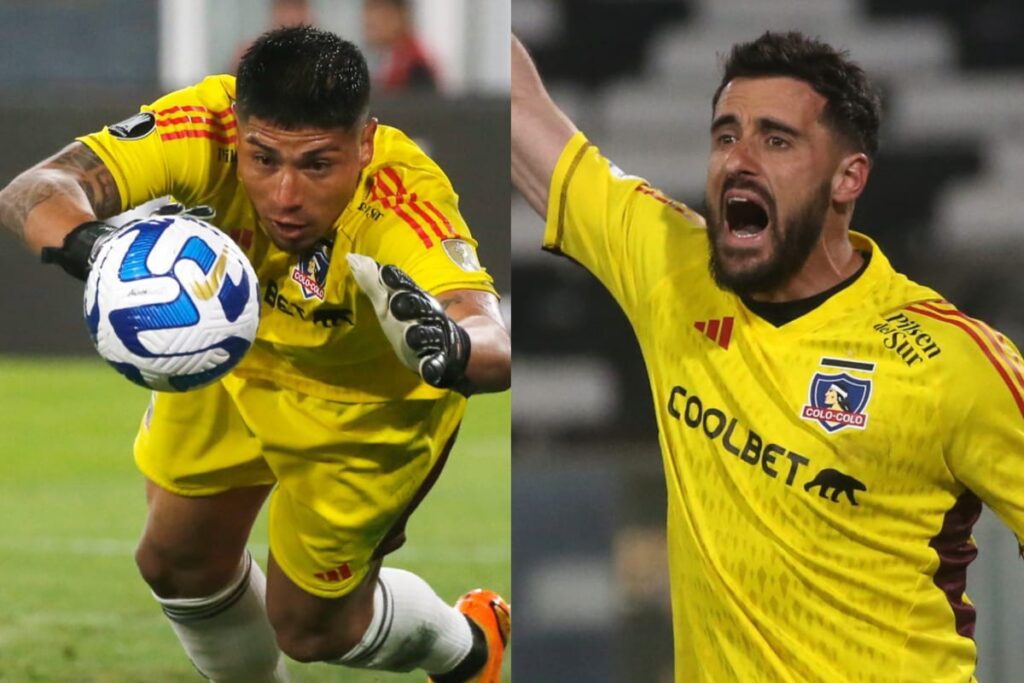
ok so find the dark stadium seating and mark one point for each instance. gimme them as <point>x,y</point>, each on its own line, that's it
<point>615,40</point>
<point>988,32</point>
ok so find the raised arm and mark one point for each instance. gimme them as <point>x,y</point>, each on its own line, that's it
<point>540,131</point>
<point>46,202</point>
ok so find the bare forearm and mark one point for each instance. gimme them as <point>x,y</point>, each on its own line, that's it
<point>46,202</point>
<point>489,368</point>
<point>490,358</point>
<point>41,206</point>
<point>540,131</point>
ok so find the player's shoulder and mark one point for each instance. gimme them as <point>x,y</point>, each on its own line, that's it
<point>203,112</point>
<point>969,336</point>
<point>213,93</point>
<point>400,167</point>
<point>972,352</point>
<point>583,163</point>
<point>406,205</point>
<point>924,328</point>
<point>672,211</point>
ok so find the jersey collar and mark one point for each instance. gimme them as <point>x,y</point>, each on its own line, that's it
<point>849,299</point>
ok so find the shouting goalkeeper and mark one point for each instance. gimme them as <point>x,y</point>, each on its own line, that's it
<point>377,322</point>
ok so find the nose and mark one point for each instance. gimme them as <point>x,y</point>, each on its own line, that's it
<point>288,191</point>
<point>742,158</point>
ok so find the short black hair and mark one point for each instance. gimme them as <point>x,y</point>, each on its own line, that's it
<point>853,109</point>
<point>303,77</point>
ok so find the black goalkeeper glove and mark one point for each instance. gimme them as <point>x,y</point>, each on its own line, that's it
<point>81,246</point>
<point>426,340</point>
<point>200,211</point>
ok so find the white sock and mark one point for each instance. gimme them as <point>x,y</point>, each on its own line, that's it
<point>411,628</point>
<point>227,635</point>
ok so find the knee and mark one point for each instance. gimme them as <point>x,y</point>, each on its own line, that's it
<point>309,646</point>
<point>306,641</point>
<point>180,572</point>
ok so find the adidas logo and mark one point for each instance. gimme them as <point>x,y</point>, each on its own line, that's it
<point>336,575</point>
<point>718,331</point>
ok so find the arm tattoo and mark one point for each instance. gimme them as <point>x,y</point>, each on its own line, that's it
<point>78,165</point>
<point>93,177</point>
<point>20,197</point>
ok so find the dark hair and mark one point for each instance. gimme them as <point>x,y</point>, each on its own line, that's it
<point>300,77</point>
<point>853,109</point>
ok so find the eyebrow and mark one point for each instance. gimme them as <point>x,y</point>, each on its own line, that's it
<point>764,124</point>
<point>310,154</point>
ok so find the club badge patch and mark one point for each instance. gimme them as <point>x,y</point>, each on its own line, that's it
<point>838,399</point>
<point>135,127</point>
<point>463,254</point>
<point>310,273</point>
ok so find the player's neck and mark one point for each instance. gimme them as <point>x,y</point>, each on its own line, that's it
<point>831,262</point>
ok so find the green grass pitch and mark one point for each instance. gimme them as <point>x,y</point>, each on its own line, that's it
<point>73,608</point>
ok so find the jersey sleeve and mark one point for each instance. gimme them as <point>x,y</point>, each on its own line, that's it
<point>421,231</point>
<point>174,146</point>
<point>987,453</point>
<point>615,225</point>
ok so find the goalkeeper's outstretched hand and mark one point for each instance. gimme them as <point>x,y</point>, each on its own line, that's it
<point>426,340</point>
<point>81,246</point>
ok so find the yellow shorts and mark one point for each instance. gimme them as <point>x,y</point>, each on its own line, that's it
<point>348,475</point>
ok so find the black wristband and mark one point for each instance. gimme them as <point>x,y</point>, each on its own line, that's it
<point>75,255</point>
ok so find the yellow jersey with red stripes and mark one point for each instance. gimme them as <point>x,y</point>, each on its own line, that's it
<point>317,334</point>
<point>823,476</point>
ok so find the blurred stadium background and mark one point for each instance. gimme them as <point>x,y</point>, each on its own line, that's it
<point>71,508</point>
<point>944,201</point>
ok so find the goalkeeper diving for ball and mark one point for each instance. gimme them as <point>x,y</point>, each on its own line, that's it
<point>377,322</point>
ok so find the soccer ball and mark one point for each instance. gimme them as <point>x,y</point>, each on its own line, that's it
<point>172,303</point>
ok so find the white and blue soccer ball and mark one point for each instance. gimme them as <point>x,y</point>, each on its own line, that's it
<point>172,303</point>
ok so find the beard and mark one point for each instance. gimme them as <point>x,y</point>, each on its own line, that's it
<point>790,245</point>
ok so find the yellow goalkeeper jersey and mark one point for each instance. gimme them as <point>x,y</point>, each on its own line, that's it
<point>316,333</point>
<point>823,476</point>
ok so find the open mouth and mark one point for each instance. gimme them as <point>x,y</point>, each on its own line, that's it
<point>746,214</point>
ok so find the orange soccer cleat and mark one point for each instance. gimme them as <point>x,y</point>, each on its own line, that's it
<point>493,615</point>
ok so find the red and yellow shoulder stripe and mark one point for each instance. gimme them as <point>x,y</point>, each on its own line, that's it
<point>195,121</point>
<point>421,215</point>
<point>678,207</point>
<point>996,347</point>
